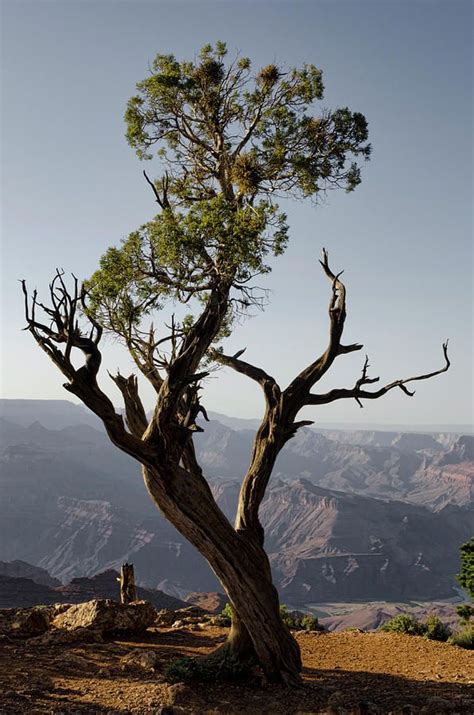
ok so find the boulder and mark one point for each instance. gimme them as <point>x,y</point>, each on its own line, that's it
<point>191,614</point>
<point>59,636</point>
<point>107,616</point>
<point>24,622</point>
<point>139,658</point>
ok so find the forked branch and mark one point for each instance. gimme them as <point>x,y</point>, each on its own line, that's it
<point>297,391</point>
<point>358,392</point>
<point>58,335</point>
<point>134,410</point>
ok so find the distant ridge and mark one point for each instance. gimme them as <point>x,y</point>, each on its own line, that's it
<point>55,414</point>
<point>239,423</point>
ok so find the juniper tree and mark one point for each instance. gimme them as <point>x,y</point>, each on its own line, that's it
<point>228,143</point>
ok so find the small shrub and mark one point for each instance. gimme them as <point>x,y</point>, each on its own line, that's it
<point>225,616</point>
<point>306,623</point>
<point>299,623</point>
<point>465,613</point>
<point>464,638</point>
<point>434,629</point>
<point>403,623</point>
<point>287,618</point>
<point>310,623</point>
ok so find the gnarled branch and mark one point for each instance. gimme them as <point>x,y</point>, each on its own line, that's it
<point>134,410</point>
<point>297,391</point>
<point>267,382</point>
<point>358,393</point>
<point>64,330</point>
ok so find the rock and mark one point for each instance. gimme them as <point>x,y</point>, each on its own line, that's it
<point>24,622</point>
<point>166,617</point>
<point>107,616</point>
<point>72,660</point>
<point>138,658</point>
<point>62,636</point>
<point>177,693</point>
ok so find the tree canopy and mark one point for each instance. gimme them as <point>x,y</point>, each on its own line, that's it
<point>229,142</point>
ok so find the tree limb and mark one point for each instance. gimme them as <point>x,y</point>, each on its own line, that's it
<point>82,382</point>
<point>268,384</point>
<point>297,391</point>
<point>358,393</point>
<point>134,410</point>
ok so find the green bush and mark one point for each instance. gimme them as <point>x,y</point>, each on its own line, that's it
<point>464,638</point>
<point>285,615</point>
<point>310,623</point>
<point>225,616</point>
<point>434,629</point>
<point>403,623</point>
<point>299,623</point>
<point>465,613</point>
<point>303,623</point>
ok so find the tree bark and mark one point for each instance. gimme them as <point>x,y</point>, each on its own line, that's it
<point>128,591</point>
<point>241,565</point>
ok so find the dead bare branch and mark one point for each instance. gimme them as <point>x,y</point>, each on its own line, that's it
<point>358,393</point>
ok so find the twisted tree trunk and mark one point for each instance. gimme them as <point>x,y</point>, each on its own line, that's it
<point>240,563</point>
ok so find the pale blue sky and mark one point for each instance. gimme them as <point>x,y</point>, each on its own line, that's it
<point>72,186</point>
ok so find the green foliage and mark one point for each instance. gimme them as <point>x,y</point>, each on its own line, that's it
<point>228,141</point>
<point>465,613</point>
<point>463,638</point>
<point>299,623</point>
<point>466,575</point>
<point>210,669</point>
<point>403,623</point>
<point>194,109</point>
<point>310,623</point>
<point>432,627</point>
<point>171,257</point>
<point>225,616</point>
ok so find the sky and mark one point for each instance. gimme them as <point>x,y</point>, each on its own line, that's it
<point>71,186</point>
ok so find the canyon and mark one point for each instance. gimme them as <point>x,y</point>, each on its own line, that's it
<point>350,515</point>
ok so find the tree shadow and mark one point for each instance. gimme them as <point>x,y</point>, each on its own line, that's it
<point>192,639</point>
<point>367,692</point>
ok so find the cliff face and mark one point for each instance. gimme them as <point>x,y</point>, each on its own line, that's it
<point>431,470</point>
<point>343,520</point>
<point>16,592</point>
<point>21,569</point>
<point>326,545</point>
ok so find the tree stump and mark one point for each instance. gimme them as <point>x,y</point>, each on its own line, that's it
<point>128,591</point>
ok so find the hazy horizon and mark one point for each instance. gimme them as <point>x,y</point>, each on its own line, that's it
<point>320,424</point>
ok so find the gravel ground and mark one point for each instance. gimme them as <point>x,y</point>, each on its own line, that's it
<point>344,673</point>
